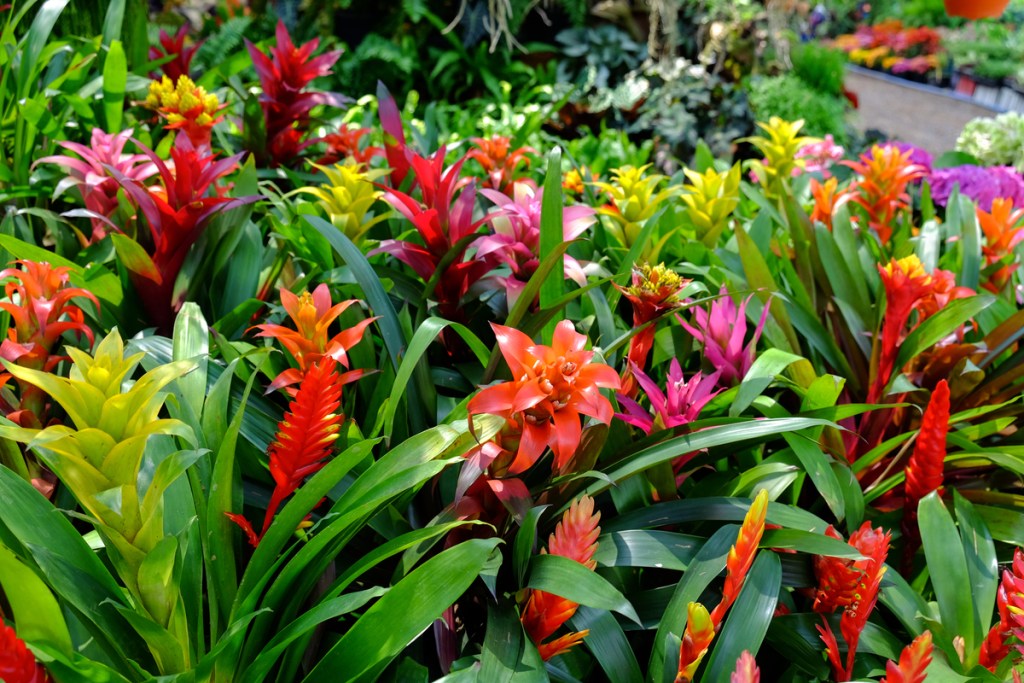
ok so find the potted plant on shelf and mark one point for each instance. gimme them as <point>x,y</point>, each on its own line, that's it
<point>976,9</point>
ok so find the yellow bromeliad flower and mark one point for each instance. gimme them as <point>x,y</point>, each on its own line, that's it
<point>635,198</point>
<point>347,197</point>
<point>779,144</point>
<point>186,106</point>
<point>710,199</point>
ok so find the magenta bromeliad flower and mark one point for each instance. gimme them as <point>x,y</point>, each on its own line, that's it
<point>680,403</point>
<point>92,175</point>
<point>284,75</point>
<point>174,46</point>
<point>721,332</point>
<point>516,238</point>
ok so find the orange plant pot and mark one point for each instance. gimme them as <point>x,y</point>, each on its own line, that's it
<point>976,9</point>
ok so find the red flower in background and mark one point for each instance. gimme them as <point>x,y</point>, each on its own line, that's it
<point>17,664</point>
<point>284,75</point>
<point>347,144</point>
<point>174,45</point>
<point>554,385</point>
<point>575,537</point>
<point>501,164</point>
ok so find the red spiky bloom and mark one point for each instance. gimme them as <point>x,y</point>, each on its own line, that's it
<point>304,438</point>
<point>741,556</point>
<point>312,315</point>
<point>17,664</point>
<point>885,173</point>
<point>857,600</point>
<point>39,301</point>
<point>501,164</point>
<point>347,143</point>
<point>914,661</point>
<point>174,45</point>
<point>575,537</point>
<point>746,670</point>
<point>1010,604</point>
<point>284,75</point>
<point>697,637</point>
<point>927,462</point>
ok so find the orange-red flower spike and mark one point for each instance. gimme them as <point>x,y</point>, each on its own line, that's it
<point>17,664</point>
<point>925,469</point>
<point>741,556</point>
<point>914,661</point>
<point>746,670</point>
<point>304,437</point>
<point>575,537</point>
<point>697,637</point>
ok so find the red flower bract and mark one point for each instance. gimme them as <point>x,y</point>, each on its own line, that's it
<point>553,386</point>
<point>17,664</point>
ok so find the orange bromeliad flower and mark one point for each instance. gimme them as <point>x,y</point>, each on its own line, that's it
<point>501,164</point>
<point>925,469</point>
<point>575,537</point>
<point>914,661</point>
<point>1003,231</point>
<point>304,438</point>
<point>312,315</point>
<point>17,664</point>
<point>186,106</point>
<point>697,637</point>
<point>853,587</point>
<point>827,199</point>
<point>552,386</point>
<point>885,173</point>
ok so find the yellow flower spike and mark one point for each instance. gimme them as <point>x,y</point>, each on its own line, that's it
<point>634,199</point>
<point>347,197</point>
<point>697,637</point>
<point>779,144</point>
<point>710,199</point>
<point>185,106</point>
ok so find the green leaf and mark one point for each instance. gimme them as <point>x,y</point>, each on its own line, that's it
<point>573,581</point>
<point>711,509</point>
<point>507,655</point>
<point>643,548</point>
<point>982,567</point>
<point>524,546</point>
<point>808,542</point>
<point>404,612</point>
<point>749,618</point>
<point>115,82</point>
<point>191,340</point>
<point>762,373</point>
<point>607,642</point>
<point>551,229</point>
<point>947,568</point>
<point>33,606</point>
<point>818,467</point>
<point>37,39</point>
<point>939,326</point>
<point>113,20</point>
<point>134,257</point>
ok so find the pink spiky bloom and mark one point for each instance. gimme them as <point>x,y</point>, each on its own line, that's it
<point>913,664</point>
<point>516,238</point>
<point>174,45</point>
<point>93,177</point>
<point>820,156</point>
<point>680,403</point>
<point>746,670</point>
<point>1010,605</point>
<point>721,332</point>
<point>284,75</point>
<point>177,211</point>
<point>575,537</point>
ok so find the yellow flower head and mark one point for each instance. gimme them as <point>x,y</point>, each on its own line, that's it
<point>710,199</point>
<point>347,197</point>
<point>635,198</point>
<point>656,282</point>
<point>572,182</point>
<point>779,144</point>
<point>909,266</point>
<point>185,105</point>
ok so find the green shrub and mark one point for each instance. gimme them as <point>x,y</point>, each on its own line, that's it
<point>822,68</point>
<point>788,97</point>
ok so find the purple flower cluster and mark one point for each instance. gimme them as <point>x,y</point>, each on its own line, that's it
<point>918,156</point>
<point>983,185</point>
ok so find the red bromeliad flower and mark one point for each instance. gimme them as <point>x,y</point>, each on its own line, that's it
<point>853,587</point>
<point>679,405</point>
<point>177,211</point>
<point>925,469</point>
<point>575,537</point>
<point>284,75</point>
<point>553,386</point>
<point>1010,604</point>
<point>746,670</point>
<point>180,65</point>
<point>309,342</point>
<point>304,438</point>
<point>653,292</point>
<point>17,664</point>
<point>501,166</point>
<point>347,144</point>
<point>445,225</point>
<point>397,152</point>
<point>1003,231</point>
<point>39,302</point>
<point>908,287</point>
<point>827,199</point>
<point>94,179</point>
<point>885,173</point>
<point>914,661</point>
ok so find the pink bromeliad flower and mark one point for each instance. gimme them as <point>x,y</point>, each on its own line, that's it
<point>94,180</point>
<point>516,238</point>
<point>721,332</point>
<point>678,405</point>
<point>820,155</point>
